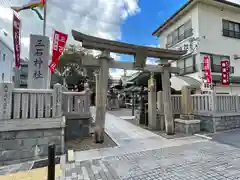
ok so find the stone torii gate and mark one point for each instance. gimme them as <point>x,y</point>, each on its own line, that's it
<point>140,53</point>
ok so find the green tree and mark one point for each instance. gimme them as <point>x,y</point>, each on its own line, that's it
<point>70,66</point>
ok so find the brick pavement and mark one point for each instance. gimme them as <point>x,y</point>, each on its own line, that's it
<point>200,161</point>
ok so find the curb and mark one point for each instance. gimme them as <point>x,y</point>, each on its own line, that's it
<point>203,136</point>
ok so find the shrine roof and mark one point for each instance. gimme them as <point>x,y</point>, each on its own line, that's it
<point>91,42</point>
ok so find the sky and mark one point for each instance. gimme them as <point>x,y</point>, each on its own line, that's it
<point>131,21</point>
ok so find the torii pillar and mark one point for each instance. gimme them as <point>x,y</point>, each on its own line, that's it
<point>101,96</point>
<point>167,101</point>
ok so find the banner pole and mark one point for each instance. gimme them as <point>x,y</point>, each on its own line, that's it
<point>44,18</point>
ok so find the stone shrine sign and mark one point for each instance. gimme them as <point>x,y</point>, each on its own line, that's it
<point>38,72</point>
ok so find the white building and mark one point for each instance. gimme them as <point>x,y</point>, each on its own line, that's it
<point>204,27</point>
<point>6,59</point>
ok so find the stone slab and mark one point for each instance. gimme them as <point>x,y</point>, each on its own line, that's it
<point>28,124</point>
<point>186,117</point>
<point>127,117</point>
<point>183,121</point>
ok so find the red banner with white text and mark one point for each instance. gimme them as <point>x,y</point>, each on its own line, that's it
<point>225,65</point>
<point>16,39</point>
<point>207,69</point>
<point>59,43</point>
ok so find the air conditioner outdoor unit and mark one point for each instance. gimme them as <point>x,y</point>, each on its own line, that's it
<point>236,57</point>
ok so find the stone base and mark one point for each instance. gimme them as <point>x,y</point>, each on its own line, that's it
<point>99,135</point>
<point>187,126</point>
<point>27,145</point>
<point>78,128</point>
<point>220,122</point>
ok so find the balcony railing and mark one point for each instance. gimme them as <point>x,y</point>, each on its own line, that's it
<point>180,38</point>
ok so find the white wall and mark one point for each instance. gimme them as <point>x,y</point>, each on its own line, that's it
<point>6,66</point>
<point>192,14</point>
<point>210,27</point>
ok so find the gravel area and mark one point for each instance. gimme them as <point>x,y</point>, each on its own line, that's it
<point>88,144</point>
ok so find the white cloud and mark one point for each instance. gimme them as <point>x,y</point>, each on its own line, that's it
<point>101,18</point>
<point>118,73</point>
<point>235,1</point>
<point>151,61</point>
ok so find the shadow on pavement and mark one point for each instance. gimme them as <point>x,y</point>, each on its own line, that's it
<point>231,138</point>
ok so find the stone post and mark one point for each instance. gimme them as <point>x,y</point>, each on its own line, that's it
<point>57,100</point>
<point>152,104</point>
<point>142,115</point>
<point>133,102</point>
<point>87,101</point>
<point>167,102</point>
<point>237,103</point>
<point>102,96</point>
<point>96,88</point>
<point>6,100</point>
<point>213,101</point>
<point>186,104</point>
<point>160,116</point>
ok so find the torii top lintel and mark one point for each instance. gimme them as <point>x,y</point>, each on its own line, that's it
<point>91,42</point>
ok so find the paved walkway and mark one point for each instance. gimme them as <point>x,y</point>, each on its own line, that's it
<point>130,138</point>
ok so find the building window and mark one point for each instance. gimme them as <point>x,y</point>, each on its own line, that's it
<point>180,65</point>
<point>231,29</point>
<point>187,65</point>
<point>179,34</point>
<point>4,57</point>
<point>215,62</point>
<point>169,39</point>
<point>2,76</point>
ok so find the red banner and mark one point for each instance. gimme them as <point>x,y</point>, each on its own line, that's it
<point>207,69</point>
<point>225,72</point>
<point>59,42</point>
<point>16,39</point>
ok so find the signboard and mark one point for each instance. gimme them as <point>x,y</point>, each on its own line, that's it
<point>59,42</point>
<point>16,39</point>
<point>140,59</point>
<point>207,69</point>
<point>225,65</point>
<point>206,86</point>
<point>190,46</point>
<point>38,73</point>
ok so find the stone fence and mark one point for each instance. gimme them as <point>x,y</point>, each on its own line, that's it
<point>30,119</point>
<point>216,111</point>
